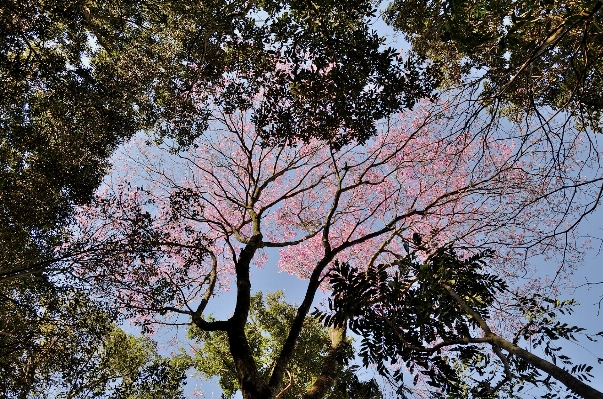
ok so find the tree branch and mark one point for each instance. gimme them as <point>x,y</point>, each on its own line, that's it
<point>561,375</point>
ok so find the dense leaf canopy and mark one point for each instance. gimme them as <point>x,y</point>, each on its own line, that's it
<point>531,56</point>
<point>73,350</point>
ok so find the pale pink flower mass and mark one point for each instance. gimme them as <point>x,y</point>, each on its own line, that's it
<point>167,219</point>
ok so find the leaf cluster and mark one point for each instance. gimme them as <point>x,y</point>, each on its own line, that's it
<point>331,76</point>
<point>72,349</point>
<point>530,55</point>
<point>423,317</point>
<point>401,313</point>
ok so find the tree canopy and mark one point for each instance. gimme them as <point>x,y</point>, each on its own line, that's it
<point>530,57</point>
<point>79,78</point>
<point>75,351</point>
<point>257,127</point>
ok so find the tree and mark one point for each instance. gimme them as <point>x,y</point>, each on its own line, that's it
<point>272,73</point>
<point>80,353</point>
<point>266,332</point>
<point>60,340</point>
<point>79,78</point>
<point>433,314</point>
<point>533,56</point>
<point>128,367</point>
<point>178,226</point>
<point>61,116</point>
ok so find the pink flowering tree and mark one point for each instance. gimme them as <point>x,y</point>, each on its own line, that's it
<point>172,228</point>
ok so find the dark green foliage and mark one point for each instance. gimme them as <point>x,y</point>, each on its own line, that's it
<point>349,386</point>
<point>74,351</point>
<point>64,108</point>
<point>46,334</point>
<point>129,367</point>
<point>407,315</point>
<point>534,55</point>
<point>84,356</point>
<point>400,311</point>
<point>336,79</point>
<point>77,79</point>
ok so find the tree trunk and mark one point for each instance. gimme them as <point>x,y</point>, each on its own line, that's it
<point>330,366</point>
